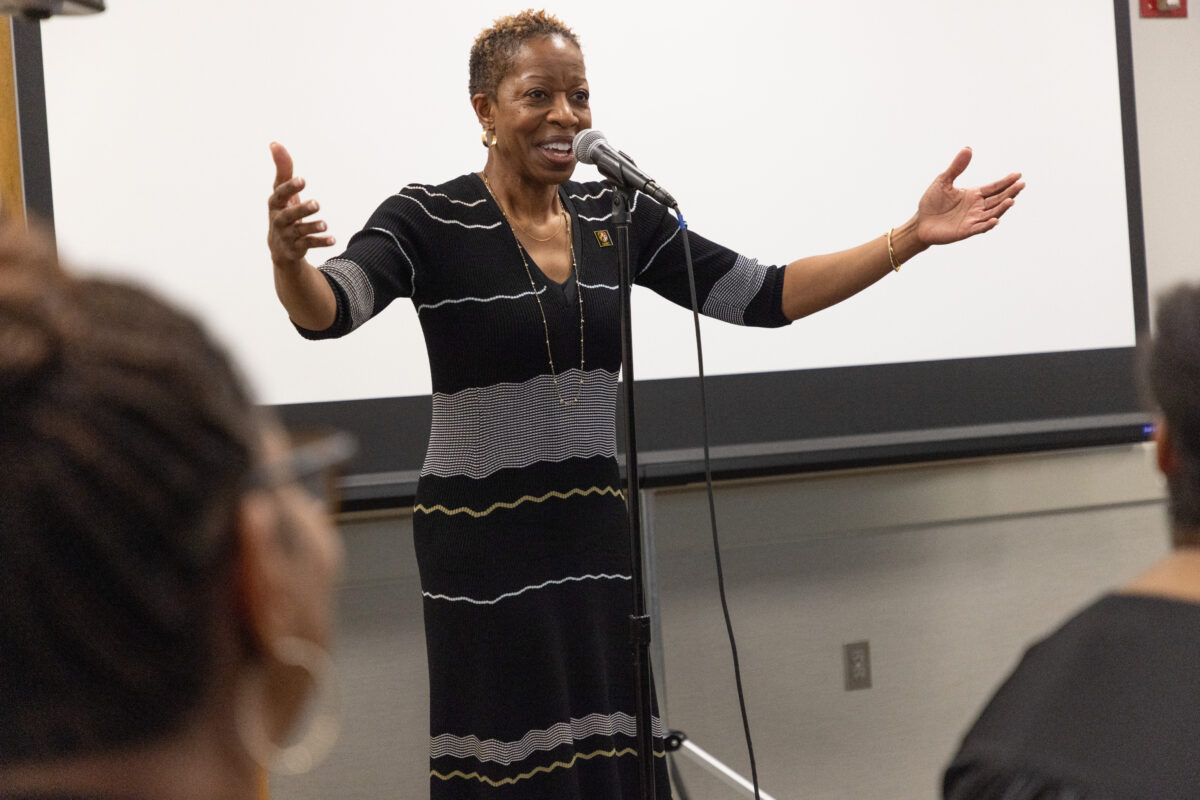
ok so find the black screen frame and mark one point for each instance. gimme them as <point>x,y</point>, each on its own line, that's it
<point>771,423</point>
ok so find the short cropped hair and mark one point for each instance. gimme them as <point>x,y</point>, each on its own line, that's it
<point>1173,380</point>
<point>496,47</point>
<point>125,437</point>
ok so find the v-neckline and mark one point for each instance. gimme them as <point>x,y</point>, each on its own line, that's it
<point>567,289</point>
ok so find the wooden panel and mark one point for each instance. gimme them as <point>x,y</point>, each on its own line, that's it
<point>12,188</point>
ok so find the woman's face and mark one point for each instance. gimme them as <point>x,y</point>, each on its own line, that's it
<point>539,107</point>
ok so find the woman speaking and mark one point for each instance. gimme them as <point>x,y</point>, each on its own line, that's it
<point>520,524</point>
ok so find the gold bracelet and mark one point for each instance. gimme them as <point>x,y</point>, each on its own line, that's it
<point>891,252</point>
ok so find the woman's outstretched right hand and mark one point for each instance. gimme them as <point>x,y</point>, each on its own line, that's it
<point>302,289</point>
<point>290,234</point>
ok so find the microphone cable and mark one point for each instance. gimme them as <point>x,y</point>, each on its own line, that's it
<point>712,505</point>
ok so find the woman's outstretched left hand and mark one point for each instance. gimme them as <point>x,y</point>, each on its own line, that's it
<point>949,214</point>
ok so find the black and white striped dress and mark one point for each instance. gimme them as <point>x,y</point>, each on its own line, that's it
<point>520,521</point>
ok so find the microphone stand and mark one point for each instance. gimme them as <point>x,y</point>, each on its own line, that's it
<point>639,621</point>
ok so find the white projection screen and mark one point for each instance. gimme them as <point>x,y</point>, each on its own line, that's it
<point>783,129</point>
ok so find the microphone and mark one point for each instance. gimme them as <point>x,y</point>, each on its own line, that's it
<point>591,147</point>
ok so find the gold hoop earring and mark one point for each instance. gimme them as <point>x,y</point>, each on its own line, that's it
<point>319,721</point>
<point>484,138</point>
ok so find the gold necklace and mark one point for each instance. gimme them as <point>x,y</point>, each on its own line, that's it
<point>513,220</point>
<point>538,297</point>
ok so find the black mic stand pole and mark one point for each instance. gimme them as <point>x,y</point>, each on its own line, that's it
<point>639,621</point>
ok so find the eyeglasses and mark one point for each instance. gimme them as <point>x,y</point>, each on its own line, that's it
<point>313,465</point>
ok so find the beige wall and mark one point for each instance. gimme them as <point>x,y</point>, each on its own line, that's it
<point>1166,66</point>
<point>946,570</point>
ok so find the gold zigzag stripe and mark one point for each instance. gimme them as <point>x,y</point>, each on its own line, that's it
<point>614,753</point>
<point>526,499</point>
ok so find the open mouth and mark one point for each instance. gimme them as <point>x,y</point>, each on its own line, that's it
<point>558,152</point>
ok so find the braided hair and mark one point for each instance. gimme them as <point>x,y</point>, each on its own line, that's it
<point>496,47</point>
<point>1173,380</point>
<point>124,437</point>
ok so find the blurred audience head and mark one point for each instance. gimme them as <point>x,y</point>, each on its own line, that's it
<point>1173,384</point>
<point>167,583</point>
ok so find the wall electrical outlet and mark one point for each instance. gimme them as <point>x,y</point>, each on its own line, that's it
<point>1163,8</point>
<point>856,661</point>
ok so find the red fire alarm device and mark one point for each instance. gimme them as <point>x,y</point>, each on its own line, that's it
<point>1164,8</point>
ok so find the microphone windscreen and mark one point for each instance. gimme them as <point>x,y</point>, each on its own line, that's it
<point>584,143</point>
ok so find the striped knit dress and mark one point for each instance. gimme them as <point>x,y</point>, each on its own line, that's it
<point>520,521</point>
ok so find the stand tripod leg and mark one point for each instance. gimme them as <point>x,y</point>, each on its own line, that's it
<point>678,743</point>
